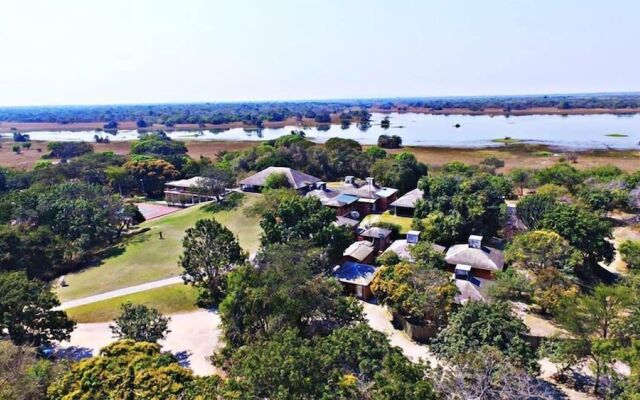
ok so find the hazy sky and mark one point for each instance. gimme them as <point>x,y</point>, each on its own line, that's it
<point>130,51</point>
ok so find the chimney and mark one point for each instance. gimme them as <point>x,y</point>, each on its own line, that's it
<point>371,182</point>
<point>475,242</point>
<point>321,185</point>
<point>349,179</point>
<point>413,237</point>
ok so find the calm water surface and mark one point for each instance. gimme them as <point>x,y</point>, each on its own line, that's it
<point>575,131</point>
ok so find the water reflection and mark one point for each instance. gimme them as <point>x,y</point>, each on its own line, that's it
<point>573,131</point>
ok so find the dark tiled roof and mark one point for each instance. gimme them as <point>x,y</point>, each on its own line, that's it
<point>375,232</point>
<point>409,199</point>
<point>297,179</point>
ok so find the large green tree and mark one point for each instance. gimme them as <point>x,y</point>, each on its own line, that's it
<point>424,295</point>
<point>151,174</point>
<point>401,171</point>
<point>351,363</point>
<point>630,251</point>
<point>26,311</point>
<point>536,250</point>
<point>36,250</point>
<point>304,218</point>
<point>585,230</point>
<point>211,250</point>
<point>532,209</point>
<point>159,145</point>
<point>85,216</point>
<point>596,323</point>
<point>463,201</point>
<point>283,291</point>
<point>140,323</point>
<point>130,370</point>
<point>479,324</point>
<point>561,174</point>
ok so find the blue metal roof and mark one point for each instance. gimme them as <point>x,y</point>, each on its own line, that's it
<point>346,198</point>
<point>361,274</point>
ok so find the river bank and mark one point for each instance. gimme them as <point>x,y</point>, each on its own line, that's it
<point>515,156</point>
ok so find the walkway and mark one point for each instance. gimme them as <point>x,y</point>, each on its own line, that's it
<point>379,319</point>
<point>120,292</point>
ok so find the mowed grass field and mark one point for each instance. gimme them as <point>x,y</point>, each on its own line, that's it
<point>168,300</point>
<point>403,222</point>
<point>145,257</point>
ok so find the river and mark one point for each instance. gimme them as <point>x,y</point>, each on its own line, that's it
<point>573,132</point>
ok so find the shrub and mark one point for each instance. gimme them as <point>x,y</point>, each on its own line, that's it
<point>65,150</point>
<point>276,181</point>
<point>630,251</point>
<point>389,142</point>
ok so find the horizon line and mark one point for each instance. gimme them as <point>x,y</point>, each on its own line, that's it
<point>323,100</point>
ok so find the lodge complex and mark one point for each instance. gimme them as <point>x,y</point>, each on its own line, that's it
<point>472,264</point>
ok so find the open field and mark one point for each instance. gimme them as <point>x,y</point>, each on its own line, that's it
<point>514,155</point>
<point>145,257</point>
<point>27,158</point>
<point>168,300</point>
<point>525,157</point>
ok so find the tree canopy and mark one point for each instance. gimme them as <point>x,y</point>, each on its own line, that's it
<point>304,218</point>
<point>479,324</point>
<point>424,295</point>
<point>129,370</point>
<point>536,250</point>
<point>351,363</point>
<point>211,251</point>
<point>26,311</point>
<point>461,201</point>
<point>140,323</point>
<point>282,293</point>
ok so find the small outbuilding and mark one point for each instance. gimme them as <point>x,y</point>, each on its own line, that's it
<point>380,237</point>
<point>361,251</point>
<point>402,247</point>
<point>356,278</point>
<point>405,205</point>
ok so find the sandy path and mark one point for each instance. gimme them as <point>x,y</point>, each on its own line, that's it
<point>620,234</point>
<point>193,338</point>
<point>379,319</point>
<point>120,292</point>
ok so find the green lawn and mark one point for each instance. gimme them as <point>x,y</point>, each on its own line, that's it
<point>145,257</point>
<point>403,222</point>
<point>168,299</point>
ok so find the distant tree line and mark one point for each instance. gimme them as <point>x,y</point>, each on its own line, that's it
<point>255,113</point>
